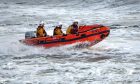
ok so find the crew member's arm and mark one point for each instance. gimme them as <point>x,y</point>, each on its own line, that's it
<point>45,34</point>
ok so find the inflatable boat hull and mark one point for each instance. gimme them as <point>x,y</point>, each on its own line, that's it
<point>91,34</point>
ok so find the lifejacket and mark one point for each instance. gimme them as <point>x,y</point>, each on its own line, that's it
<point>41,32</point>
<point>69,30</point>
<point>57,31</point>
<point>72,30</point>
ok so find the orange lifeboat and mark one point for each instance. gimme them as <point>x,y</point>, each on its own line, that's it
<point>92,34</point>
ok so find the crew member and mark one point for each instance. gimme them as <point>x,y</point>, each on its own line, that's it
<point>41,31</point>
<point>57,30</point>
<point>73,29</point>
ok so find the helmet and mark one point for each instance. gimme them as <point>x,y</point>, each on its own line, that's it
<point>59,24</point>
<point>41,23</point>
<point>75,21</point>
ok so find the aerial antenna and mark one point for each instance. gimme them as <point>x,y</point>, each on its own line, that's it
<point>27,22</point>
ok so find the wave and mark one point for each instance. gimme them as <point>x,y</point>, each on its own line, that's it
<point>113,3</point>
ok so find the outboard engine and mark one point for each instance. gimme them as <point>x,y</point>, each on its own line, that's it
<point>30,34</point>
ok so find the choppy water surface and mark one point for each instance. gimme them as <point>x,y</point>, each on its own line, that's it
<point>116,60</point>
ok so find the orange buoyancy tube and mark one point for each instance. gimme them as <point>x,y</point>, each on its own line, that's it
<point>91,33</point>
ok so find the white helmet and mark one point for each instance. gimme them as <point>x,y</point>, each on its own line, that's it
<point>59,24</point>
<point>76,20</point>
<point>42,23</point>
